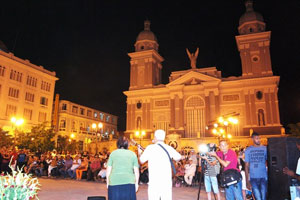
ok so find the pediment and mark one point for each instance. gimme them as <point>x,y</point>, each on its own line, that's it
<point>193,78</point>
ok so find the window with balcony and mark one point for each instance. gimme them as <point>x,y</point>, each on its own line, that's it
<point>82,111</point>
<point>44,101</point>
<point>89,113</point>
<point>101,116</point>
<point>64,106</point>
<point>74,109</point>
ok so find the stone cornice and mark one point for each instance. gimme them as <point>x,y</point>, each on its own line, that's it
<point>26,62</point>
<point>146,54</point>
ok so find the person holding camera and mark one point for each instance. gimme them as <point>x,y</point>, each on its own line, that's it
<point>228,159</point>
<point>211,169</point>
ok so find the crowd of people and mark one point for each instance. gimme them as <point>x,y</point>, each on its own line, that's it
<point>126,172</point>
<point>55,164</point>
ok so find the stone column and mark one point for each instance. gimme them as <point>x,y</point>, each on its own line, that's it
<point>268,108</point>
<point>253,108</point>
<point>148,126</point>
<point>172,113</point>
<point>247,109</point>
<point>128,114</point>
<point>181,112</point>
<point>274,108</point>
<point>133,116</point>
<point>144,115</point>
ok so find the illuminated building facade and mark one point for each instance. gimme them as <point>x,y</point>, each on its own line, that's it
<point>86,125</point>
<point>196,97</point>
<point>26,91</point>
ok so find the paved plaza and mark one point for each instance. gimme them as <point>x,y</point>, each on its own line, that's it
<point>62,189</point>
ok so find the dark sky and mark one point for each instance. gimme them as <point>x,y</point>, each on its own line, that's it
<point>86,42</point>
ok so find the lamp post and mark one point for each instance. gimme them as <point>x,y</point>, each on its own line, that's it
<point>16,122</point>
<point>221,125</point>
<point>140,134</point>
<point>97,128</point>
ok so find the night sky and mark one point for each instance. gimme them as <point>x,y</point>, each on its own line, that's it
<point>86,42</point>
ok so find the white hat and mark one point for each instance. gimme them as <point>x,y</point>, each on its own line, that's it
<point>160,134</point>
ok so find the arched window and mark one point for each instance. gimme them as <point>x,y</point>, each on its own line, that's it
<point>261,117</point>
<point>194,117</point>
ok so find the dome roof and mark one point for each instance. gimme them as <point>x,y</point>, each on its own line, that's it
<point>250,14</point>
<point>146,34</point>
<point>3,47</point>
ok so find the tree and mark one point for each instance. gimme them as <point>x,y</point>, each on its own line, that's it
<point>64,143</point>
<point>5,138</point>
<point>39,139</point>
<point>294,129</point>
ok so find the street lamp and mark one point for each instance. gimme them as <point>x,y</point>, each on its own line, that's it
<point>221,125</point>
<point>98,134</point>
<point>16,122</point>
<point>140,134</point>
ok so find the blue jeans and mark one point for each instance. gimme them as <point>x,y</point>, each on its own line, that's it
<point>72,173</point>
<point>234,192</point>
<point>259,188</point>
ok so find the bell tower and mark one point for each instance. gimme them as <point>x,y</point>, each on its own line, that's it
<point>254,44</point>
<point>145,63</point>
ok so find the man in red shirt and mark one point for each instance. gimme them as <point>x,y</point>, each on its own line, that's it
<point>228,159</point>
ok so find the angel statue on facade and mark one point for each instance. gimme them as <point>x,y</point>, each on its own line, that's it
<point>193,57</point>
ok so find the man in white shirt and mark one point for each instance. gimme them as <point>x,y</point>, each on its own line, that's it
<point>159,167</point>
<point>291,173</point>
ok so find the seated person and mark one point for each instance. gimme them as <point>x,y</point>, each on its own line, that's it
<point>82,168</point>
<point>60,162</point>
<point>29,162</point>
<point>189,173</point>
<point>34,166</point>
<point>52,165</point>
<point>67,165</point>
<point>76,163</point>
<point>42,168</point>
<point>102,173</point>
<point>94,168</point>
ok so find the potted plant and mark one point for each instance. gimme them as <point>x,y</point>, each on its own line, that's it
<point>18,186</point>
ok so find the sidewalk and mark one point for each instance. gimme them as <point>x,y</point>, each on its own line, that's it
<point>62,189</point>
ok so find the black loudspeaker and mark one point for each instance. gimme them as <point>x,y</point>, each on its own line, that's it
<point>96,198</point>
<point>282,152</point>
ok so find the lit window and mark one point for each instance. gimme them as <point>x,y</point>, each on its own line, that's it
<point>101,116</point>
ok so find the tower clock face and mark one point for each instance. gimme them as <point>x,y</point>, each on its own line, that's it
<point>138,105</point>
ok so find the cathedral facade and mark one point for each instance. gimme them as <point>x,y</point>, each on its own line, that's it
<point>195,98</point>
